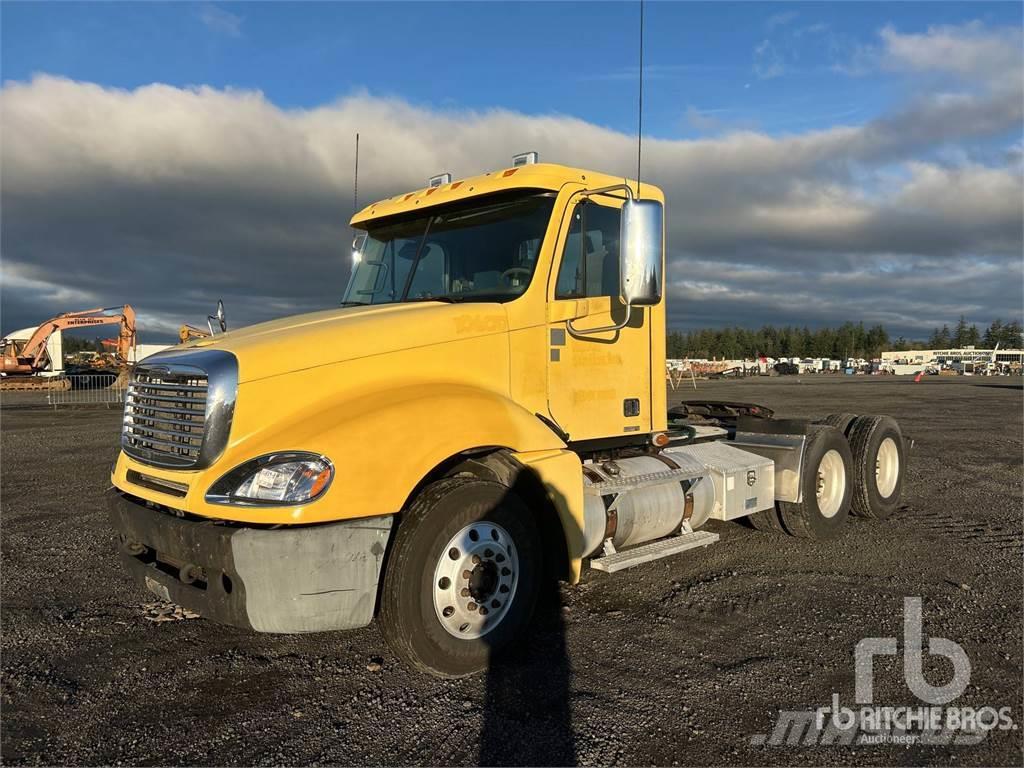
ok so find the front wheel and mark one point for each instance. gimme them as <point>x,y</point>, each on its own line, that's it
<point>463,577</point>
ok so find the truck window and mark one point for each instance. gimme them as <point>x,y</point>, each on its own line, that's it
<point>431,278</point>
<point>590,259</point>
<point>476,250</point>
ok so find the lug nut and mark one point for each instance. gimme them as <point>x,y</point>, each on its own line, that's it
<point>472,606</point>
<point>464,592</point>
<point>476,560</point>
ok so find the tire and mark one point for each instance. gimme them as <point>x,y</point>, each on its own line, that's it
<point>840,421</point>
<point>827,452</point>
<point>414,608</point>
<point>878,466</point>
<point>767,521</point>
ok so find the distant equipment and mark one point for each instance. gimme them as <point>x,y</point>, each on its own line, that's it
<point>23,364</point>
<point>189,333</point>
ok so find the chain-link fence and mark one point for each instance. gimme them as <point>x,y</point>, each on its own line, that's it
<point>87,389</point>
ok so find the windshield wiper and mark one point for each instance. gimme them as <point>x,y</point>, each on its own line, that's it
<point>354,304</point>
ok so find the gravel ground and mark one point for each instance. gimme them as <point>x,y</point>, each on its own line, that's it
<point>680,661</point>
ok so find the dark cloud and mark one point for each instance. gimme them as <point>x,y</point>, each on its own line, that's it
<point>169,198</point>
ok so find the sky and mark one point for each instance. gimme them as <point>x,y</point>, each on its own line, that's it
<point>822,162</point>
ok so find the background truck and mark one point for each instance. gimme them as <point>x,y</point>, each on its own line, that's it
<point>486,411</point>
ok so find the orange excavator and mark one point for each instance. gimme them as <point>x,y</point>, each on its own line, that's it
<point>23,362</point>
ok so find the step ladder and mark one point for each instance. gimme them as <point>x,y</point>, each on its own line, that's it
<point>613,561</point>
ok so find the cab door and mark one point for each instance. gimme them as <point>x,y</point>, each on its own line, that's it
<point>599,385</point>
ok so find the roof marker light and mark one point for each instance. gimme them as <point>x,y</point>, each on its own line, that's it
<point>441,178</point>
<point>524,158</point>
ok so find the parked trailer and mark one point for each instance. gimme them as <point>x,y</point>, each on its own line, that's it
<point>486,411</point>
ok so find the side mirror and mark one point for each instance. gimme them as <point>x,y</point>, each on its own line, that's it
<point>357,247</point>
<point>640,249</point>
<point>219,317</point>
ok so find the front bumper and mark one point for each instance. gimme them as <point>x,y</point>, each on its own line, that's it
<point>298,579</point>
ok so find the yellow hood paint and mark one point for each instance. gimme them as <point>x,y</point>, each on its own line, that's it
<point>336,335</point>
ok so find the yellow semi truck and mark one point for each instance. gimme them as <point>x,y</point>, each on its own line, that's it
<point>485,411</point>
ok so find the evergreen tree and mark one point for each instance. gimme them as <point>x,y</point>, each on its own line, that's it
<point>960,334</point>
<point>994,333</point>
<point>1011,336</point>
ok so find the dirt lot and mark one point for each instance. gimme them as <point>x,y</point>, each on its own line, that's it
<point>680,661</point>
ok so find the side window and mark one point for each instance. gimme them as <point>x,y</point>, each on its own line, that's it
<point>590,260</point>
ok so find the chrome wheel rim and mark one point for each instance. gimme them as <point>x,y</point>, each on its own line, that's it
<point>475,580</point>
<point>887,467</point>
<point>830,483</point>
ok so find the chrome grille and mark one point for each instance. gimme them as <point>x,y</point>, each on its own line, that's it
<point>165,416</point>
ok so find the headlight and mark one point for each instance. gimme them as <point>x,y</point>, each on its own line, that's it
<point>275,479</point>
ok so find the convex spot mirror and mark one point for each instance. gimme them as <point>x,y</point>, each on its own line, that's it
<point>358,243</point>
<point>641,241</point>
<point>220,317</point>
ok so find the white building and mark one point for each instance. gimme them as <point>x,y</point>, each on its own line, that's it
<point>966,359</point>
<point>54,349</point>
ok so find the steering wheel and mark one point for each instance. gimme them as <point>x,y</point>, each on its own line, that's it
<point>509,273</point>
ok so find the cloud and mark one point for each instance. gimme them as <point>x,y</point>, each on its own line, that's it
<point>780,19</point>
<point>170,198</point>
<point>972,53</point>
<point>704,120</point>
<point>768,61</point>
<point>220,20</point>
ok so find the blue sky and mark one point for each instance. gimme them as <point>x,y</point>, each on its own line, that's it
<point>822,162</point>
<point>703,59</point>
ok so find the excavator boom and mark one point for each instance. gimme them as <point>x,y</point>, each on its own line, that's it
<point>32,357</point>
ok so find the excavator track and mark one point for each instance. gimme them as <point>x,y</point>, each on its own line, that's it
<point>33,384</point>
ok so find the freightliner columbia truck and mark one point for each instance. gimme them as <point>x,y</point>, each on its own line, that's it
<point>485,411</point>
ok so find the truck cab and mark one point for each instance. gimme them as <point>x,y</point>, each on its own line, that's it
<point>486,410</point>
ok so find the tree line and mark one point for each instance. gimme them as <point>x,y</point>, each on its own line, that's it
<point>1006,335</point>
<point>846,341</point>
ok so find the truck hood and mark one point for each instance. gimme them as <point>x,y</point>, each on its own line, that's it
<point>337,335</point>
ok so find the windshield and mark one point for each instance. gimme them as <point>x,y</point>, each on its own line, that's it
<point>475,252</point>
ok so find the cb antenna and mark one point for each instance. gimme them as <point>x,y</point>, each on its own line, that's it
<point>640,109</point>
<point>355,181</point>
